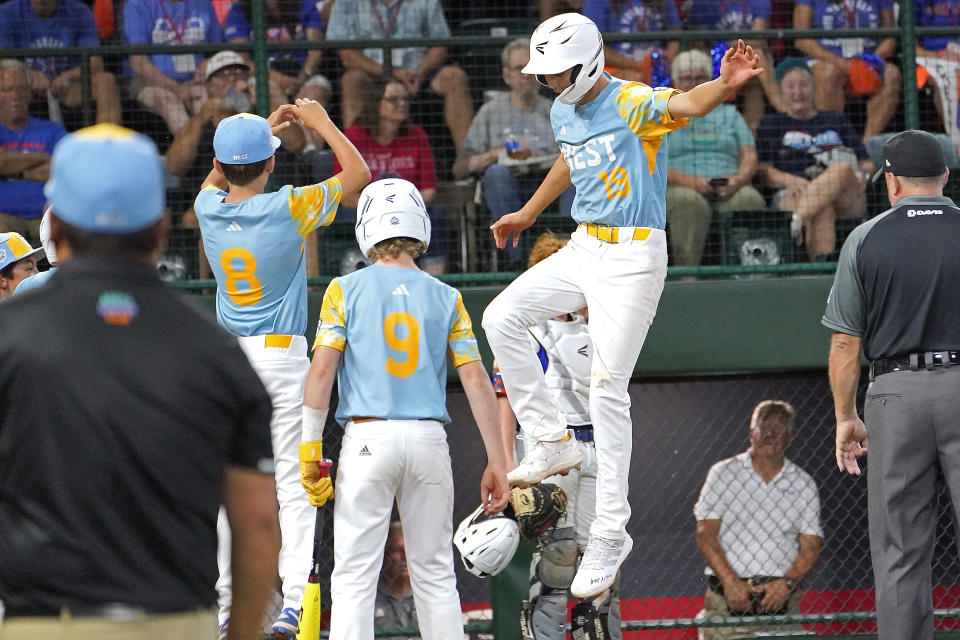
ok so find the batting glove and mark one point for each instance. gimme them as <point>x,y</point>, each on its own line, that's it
<point>315,473</point>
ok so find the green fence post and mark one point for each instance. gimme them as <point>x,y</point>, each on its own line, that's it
<point>508,590</point>
<point>260,60</point>
<point>908,46</point>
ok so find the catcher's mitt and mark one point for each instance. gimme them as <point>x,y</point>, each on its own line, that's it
<point>537,508</point>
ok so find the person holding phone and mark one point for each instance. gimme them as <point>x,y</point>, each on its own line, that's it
<point>711,164</point>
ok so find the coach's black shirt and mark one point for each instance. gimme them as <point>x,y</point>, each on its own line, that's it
<point>120,407</point>
<point>898,279</point>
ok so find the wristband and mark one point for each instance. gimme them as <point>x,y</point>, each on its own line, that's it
<point>312,425</point>
<point>311,451</point>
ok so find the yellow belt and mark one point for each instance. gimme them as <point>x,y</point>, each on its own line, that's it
<point>274,340</point>
<point>612,234</point>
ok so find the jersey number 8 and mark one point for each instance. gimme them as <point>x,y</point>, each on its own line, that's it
<point>410,344</point>
<point>245,273</point>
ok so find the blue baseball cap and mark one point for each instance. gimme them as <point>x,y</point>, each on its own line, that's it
<point>14,248</point>
<point>244,139</point>
<point>107,179</point>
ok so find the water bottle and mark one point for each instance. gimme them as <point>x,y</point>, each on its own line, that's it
<point>513,146</point>
<point>716,54</point>
<point>659,70</point>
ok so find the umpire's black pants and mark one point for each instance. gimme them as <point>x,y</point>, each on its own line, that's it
<point>913,424</point>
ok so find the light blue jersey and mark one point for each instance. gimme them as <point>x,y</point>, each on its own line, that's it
<point>395,327</point>
<point>35,281</point>
<point>256,251</point>
<point>616,148</point>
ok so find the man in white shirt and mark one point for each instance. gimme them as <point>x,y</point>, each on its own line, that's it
<point>758,526</point>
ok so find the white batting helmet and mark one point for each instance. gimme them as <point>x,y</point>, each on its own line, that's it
<point>567,41</point>
<point>390,208</point>
<point>486,543</point>
<point>46,241</point>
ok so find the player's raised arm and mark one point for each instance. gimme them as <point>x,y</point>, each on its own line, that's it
<point>483,405</point>
<point>355,174</point>
<point>739,65</point>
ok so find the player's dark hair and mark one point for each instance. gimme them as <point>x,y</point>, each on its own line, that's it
<point>135,245</point>
<point>369,117</point>
<point>7,271</point>
<point>243,174</point>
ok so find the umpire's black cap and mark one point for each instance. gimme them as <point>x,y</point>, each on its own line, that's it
<point>912,154</point>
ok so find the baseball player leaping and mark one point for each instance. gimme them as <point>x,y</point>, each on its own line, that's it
<point>255,244</point>
<point>613,150</point>
<point>393,326</point>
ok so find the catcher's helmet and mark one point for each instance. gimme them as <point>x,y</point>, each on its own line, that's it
<point>486,543</point>
<point>390,208</point>
<point>567,41</point>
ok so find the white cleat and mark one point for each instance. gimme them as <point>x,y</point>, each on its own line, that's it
<point>547,458</point>
<point>600,565</point>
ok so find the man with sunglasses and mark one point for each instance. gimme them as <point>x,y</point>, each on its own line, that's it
<point>613,151</point>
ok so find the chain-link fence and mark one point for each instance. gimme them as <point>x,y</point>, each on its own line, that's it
<point>682,427</point>
<point>463,123</point>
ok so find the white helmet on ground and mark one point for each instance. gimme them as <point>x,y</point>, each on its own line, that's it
<point>486,543</point>
<point>390,208</point>
<point>567,41</point>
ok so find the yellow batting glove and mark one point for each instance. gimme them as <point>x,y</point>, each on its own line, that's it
<point>315,473</point>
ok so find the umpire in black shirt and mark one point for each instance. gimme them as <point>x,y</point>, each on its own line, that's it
<point>125,419</point>
<point>895,295</point>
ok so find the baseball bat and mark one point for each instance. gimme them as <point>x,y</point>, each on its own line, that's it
<point>309,627</point>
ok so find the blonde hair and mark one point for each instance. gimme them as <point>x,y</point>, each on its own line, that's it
<point>694,59</point>
<point>393,247</point>
<point>518,43</point>
<point>547,244</point>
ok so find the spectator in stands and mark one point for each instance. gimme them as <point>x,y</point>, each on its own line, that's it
<point>190,155</point>
<point>392,147</point>
<point>711,165</point>
<point>295,72</point>
<point>25,147</point>
<point>647,61</point>
<point>522,117</point>
<point>814,158</point>
<point>856,67</point>
<point>741,16</point>
<point>758,527</point>
<point>415,67</point>
<point>394,605</point>
<point>938,60</point>
<point>170,85</point>
<point>18,261</point>
<point>60,23</point>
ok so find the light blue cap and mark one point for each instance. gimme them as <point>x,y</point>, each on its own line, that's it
<point>244,139</point>
<point>107,179</point>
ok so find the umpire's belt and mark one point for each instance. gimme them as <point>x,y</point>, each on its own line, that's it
<point>583,433</point>
<point>110,611</point>
<point>615,234</point>
<point>928,360</point>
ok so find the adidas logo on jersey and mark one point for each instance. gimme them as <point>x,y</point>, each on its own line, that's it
<point>365,451</point>
<point>401,291</point>
<point>233,226</point>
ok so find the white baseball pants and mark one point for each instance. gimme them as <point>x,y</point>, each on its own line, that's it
<point>621,284</point>
<point>381,460</point>
<point>283,371</point>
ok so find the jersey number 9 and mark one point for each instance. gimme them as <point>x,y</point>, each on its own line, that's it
<point>409,345</point>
